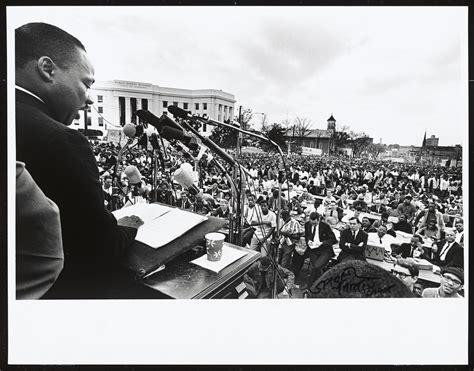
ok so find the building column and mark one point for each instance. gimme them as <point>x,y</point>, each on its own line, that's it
<point>128,113</point>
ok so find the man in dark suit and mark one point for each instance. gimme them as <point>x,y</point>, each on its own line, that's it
<point>352,242</point>
<point>447,252</point>
<point>319,239</point>
<point>53,78</point>
<point>414,249</point>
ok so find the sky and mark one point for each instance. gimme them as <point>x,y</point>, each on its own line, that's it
<point>390,72</point>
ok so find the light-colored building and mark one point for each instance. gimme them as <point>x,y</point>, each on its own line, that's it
<point>116,103</point>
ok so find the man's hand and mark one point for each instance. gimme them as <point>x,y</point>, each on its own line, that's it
<point>132,221</point>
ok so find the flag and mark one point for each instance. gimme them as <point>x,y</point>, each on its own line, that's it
<point>424,141</point>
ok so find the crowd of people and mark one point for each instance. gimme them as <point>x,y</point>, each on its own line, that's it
<point>322,200</point>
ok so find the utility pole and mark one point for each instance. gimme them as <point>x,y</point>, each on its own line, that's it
<point>239,135</point>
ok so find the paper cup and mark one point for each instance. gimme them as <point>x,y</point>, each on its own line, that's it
<point>214,243</point>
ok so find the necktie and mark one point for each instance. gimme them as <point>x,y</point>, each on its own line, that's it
<point>314,230</point>
<point>380,238</point>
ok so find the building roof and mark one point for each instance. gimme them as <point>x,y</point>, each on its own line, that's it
<point>331,118</point>
<point>313,133</point>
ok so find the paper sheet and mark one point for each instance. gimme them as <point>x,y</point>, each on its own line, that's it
<point>229,255</point>
<point>162,224</point>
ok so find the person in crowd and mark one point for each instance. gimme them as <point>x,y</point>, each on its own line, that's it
<point>459,232</point>
<point>331,215</point>
<point>407,272</point>
<point>328,199</point>
<point>378,207</point>
<point>264,221</point>
<point>259,279</point>
<point>290,233</point>
<point>431,214</point>
<point>53,76</point>
<point>448,252</point>
<point>319,239</point>
<point>272,201</point>
<point>342,206</point>
<point>366,225</point>
<point>407,208</point>
<point>403,225</point>
<point>452,281</point>
<point>352,242</point>
<point>414,249</point>
<point>183,202</point>
<point>358,279</point>
<point>360,203</point>
<point>384,221</point>
<point>430,231</point>
<point>381,238</point>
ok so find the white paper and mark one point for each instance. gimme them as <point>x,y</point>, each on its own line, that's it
<point>167,227</point>
<point>146,212</point>
<point>229,255</point>
<point>162,224</point>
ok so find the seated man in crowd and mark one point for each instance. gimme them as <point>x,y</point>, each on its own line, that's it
<point>378,207</point>
<point>320,239</point>
<point>264,221</point>
<point>414,249</point>
<point>331,216</point>
<point>184,202</point>
<point>407,272</point>
<point>360,203</point>
<point>384,221</point>
<point>403,225</point>
<point>290,233</point>
<point>452,281</point>
<point>367,225</point>
<point>431,214</point>
<point>259,279</point>
<point>352,242</point>
<point>448,252</point>
<point>430,231</point>
<point>407,208</point>
<point>459,225</point>
<point>381,238</point>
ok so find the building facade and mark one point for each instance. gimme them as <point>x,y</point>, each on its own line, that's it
<point>323,139</point>
<point>116,103</point>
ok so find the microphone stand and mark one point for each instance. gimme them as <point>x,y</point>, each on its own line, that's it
<point>273,246</point>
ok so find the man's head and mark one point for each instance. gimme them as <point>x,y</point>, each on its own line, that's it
<point>402,218</point>
<point>450,236</point>
<point>384,217</point>
<point>265,263</point>
<point>452,280</point>
<point>366,222</point>
<point>354,224</point>
<point>53,65</point>
<point>251,200</point>
<point>416,240</point>
<point>381,230</point>
<point>459,226</point>
<point>264,207</point>
<point>285,215</point>
<point>107,182</point>
<point>407,200</point>
<point>406,271</point>
<point>314,218</point>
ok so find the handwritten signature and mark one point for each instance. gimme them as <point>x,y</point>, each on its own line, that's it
<point>348,281</point>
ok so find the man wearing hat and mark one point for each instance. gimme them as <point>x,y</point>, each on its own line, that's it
<point>259,279</point>
<point>452,281</point>
<point>448,252</point>
<point>407,208</point>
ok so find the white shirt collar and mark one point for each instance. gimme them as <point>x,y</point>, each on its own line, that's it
<point>29,92</point>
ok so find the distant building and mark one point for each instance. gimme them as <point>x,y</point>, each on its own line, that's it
<point>116,103</point>
<point>432,142</point>
<point>316,138</point>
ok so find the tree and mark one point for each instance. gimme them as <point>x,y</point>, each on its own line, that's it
<point>301,126</point>
<point>375,149</point>
<point>247,115</point>
<point>341,138</point>
<point>224,136</point>
<point>359,142</point>
<point>264,127</point>
<point>276,133</point>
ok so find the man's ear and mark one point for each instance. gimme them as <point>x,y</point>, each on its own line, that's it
<point>415,278</point>
<point>46,68</point>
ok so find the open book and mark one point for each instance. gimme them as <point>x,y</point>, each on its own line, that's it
<point>162,224</point>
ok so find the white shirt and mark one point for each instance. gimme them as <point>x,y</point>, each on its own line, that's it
<point>28,92</point>
<point>385,241</point>
<point>262,230</point>
<point>315,242</point>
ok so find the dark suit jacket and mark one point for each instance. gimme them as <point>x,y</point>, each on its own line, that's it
<point>379,209</point>
<point>63,165</point>
<point>405,251</point>
<point>454,257</point>
<point>326,236</point>
<point>355,250</point>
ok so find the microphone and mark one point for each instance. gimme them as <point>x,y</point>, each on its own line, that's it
<point>133,174</point>
<point>129,130</point>
<point>179,112</point>
<point>187,140</point>
<point>132,131</point>
<point>157,122</point>
<point>184,176</point>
